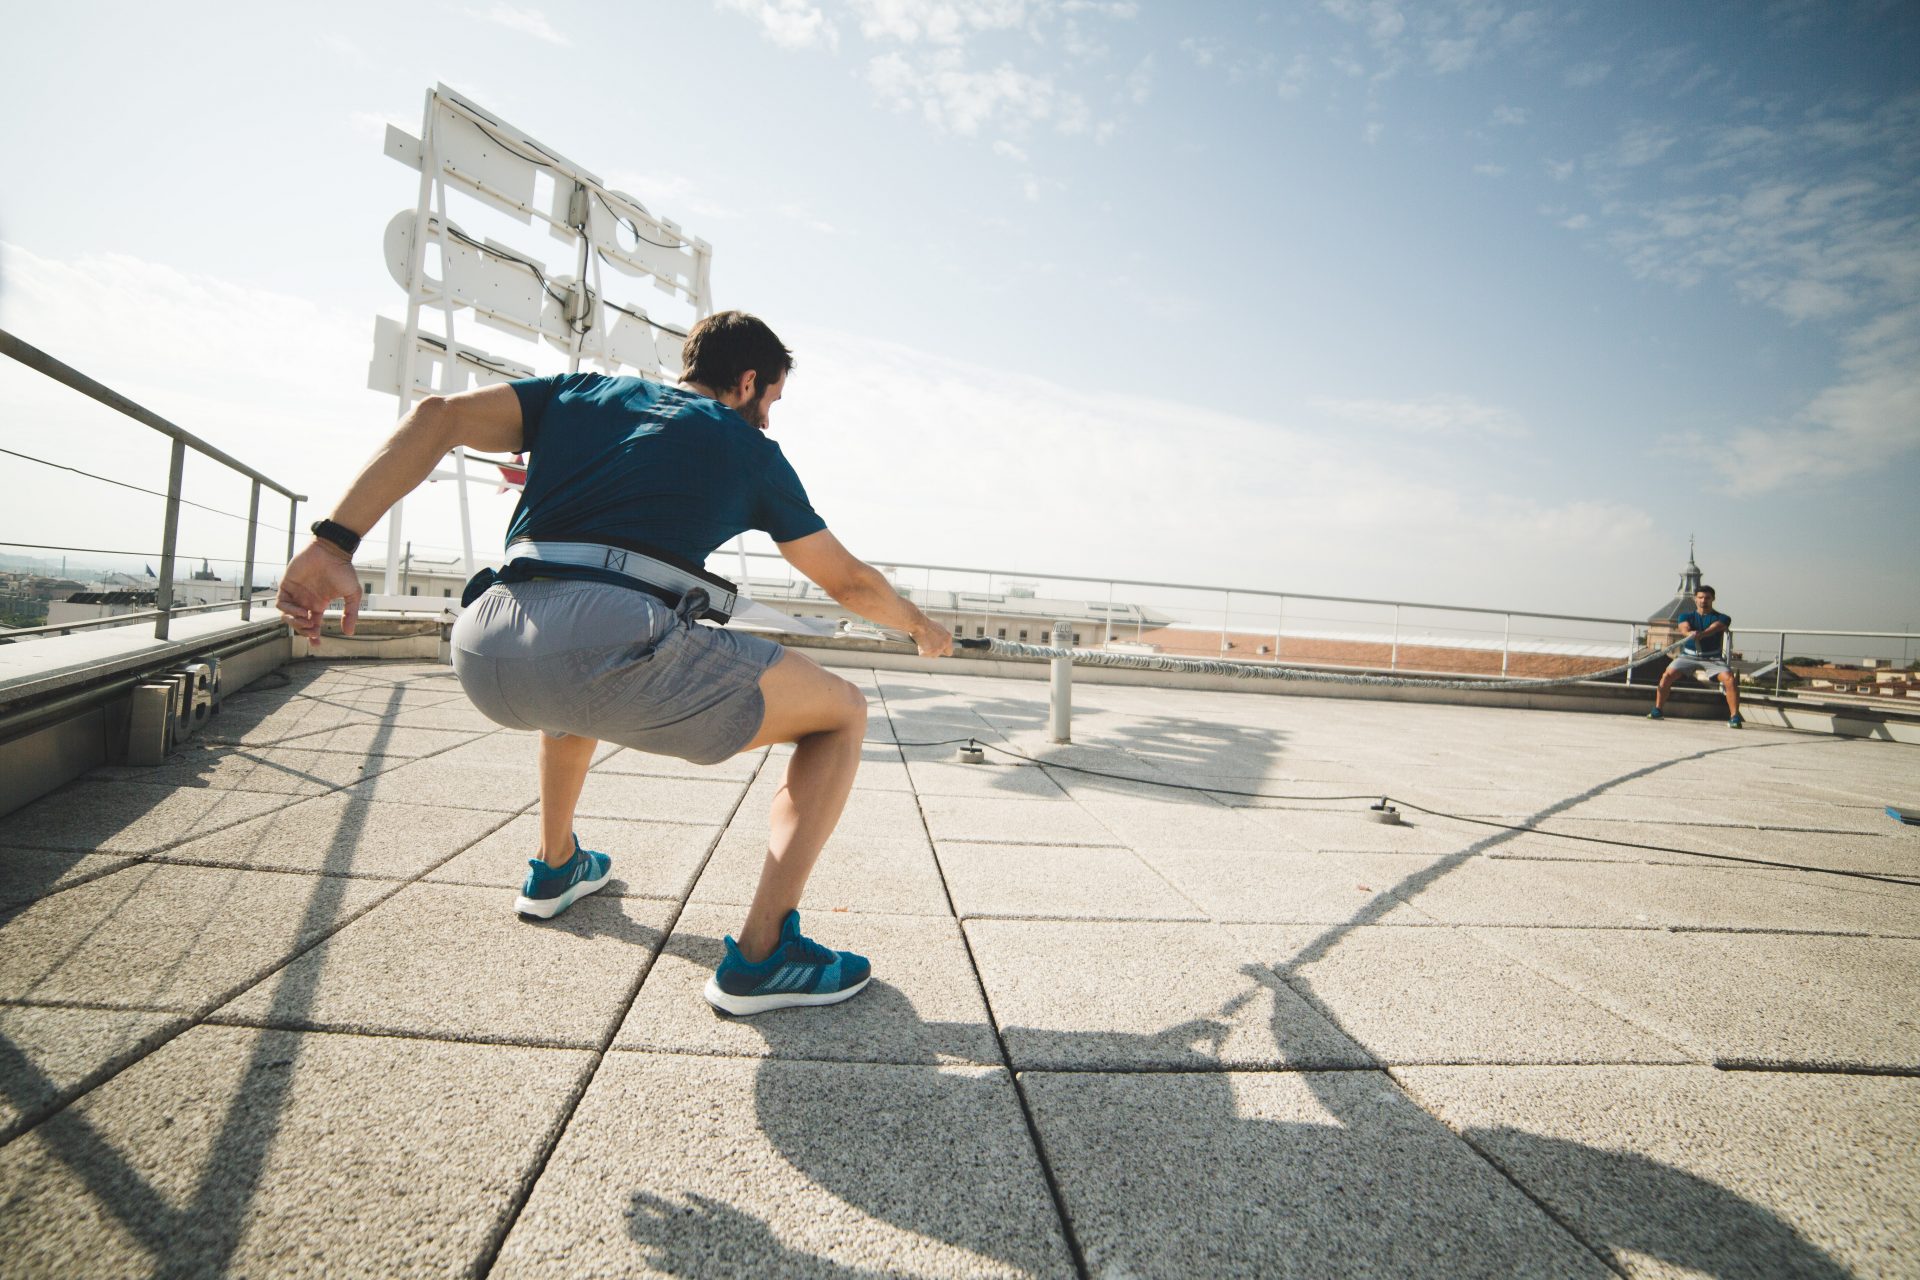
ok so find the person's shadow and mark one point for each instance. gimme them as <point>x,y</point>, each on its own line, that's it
<point>1163,1174</point>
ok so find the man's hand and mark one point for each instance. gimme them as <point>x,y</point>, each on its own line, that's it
<point>933,640</point>
<point>318,576</point>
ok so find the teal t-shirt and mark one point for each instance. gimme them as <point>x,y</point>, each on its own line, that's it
<point>1698,646</point>
<point>625,460</point>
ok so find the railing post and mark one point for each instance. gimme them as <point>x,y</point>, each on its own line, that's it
<point>1279,621</point>
<point>1780,667</point>
<point>1633,651</point>
<point>163,592</point>
<point>1107,639</point>
<point>1393,659</point>
<point>246,574</point>
<point>1226,612</point>
<point>1506,644</point>
<point>293,522</point>
<point>1061,702</point>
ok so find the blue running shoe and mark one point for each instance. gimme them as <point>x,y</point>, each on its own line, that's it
<point>1655,714</point>
<point>798,972</point>
<point>1736,722</point>
<point>551,890</point>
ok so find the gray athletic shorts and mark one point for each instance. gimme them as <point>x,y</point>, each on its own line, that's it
<point>607,662</point>
<point>1684,663</point>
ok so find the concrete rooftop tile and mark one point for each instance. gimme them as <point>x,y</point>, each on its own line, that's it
<point>650,859</point>
<point>447,782</point>
<point>922,1005</point>
<point>382,738</point>
<point>261,720</point>
<point>1351,830</point>
<point>341,834</point>
<point>1036,882</point>
<point>676,1166</point>
<point>1079,995</point>
<point>169,937</point>
<point>244,1152</point>
<point>1288,886</point>
<point>27,875</point>
<point>455,962</point>
<point>1441,995</point>
<point>280,770</point>
<point>627,760</point>
<point>702,801</point>
<point>1691,1171</point>
<point>891,875</point>
<point>1288,1175</point>
<point>995,778</point>
<point>1436,941</point>
<point>131,817</point>
<point>1768,998</point>
<point>47,1054</point>
<point>1013,820</point>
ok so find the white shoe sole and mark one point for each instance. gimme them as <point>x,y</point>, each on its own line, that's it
<point>548,908</point>
<point>741,1006</point>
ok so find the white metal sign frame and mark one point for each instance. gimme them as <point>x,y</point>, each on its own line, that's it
<point>465,147</point>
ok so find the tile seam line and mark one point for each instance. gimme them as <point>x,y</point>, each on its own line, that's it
<point>1038,1145</point>
<point>201,1013</point>
<point>489,1255</point>
<point>1599,1255</point>
<point>293,802</point>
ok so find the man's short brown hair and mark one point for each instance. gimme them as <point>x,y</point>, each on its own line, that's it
<point>726,345</point>
<point>1704,587</point>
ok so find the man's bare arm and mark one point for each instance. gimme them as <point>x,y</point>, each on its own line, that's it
<point>864,589</point>
<point>487,419</point>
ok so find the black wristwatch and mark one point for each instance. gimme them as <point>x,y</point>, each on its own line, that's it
<point>336,533</point>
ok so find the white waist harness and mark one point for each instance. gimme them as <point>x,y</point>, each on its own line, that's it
<point>673,583</point>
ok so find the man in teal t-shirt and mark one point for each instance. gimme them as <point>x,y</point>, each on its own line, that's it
<point>1704,650</point>
<point>573,640</point>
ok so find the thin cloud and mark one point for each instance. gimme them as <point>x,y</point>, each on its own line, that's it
<point>1428,416</point>
<point>1508,115</point>
<point>528,22</point>
<point>1585,75</point>
<point>955,98</point>
<point>791,24</point>
<point>1868,419</point>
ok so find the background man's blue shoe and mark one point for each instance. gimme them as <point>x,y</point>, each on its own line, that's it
<point>1654,714</point>
<point>799,971</point>
<point>1736,722</point>
<point>551,890</point>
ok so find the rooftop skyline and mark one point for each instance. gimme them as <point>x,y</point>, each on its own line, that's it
<point>1467,302</point>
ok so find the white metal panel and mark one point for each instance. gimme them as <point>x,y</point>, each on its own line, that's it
<point>471,365</point>
<point>660,249</point>
<point>503,291</point>
<point>482,165</point>
<point>631,342</point>
<point>403,146</point>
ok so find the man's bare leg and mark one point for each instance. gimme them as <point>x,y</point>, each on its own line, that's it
<point>1667,678</point>
<point>1731,688</point>
<point>563,772</point>
<point>826,718</point>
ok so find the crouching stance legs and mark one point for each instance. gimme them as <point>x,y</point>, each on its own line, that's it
<point>772,965</point>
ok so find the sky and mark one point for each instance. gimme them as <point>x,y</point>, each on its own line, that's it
<point>1466,302</point>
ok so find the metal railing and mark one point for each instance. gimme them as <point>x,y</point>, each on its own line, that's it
<point>42,363</point>
<point>122,619</point>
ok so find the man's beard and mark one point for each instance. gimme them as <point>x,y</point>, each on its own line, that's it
<point>755,410</point>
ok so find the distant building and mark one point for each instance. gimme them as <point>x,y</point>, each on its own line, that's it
<point>121,593</point>
<point>1017,614</point>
